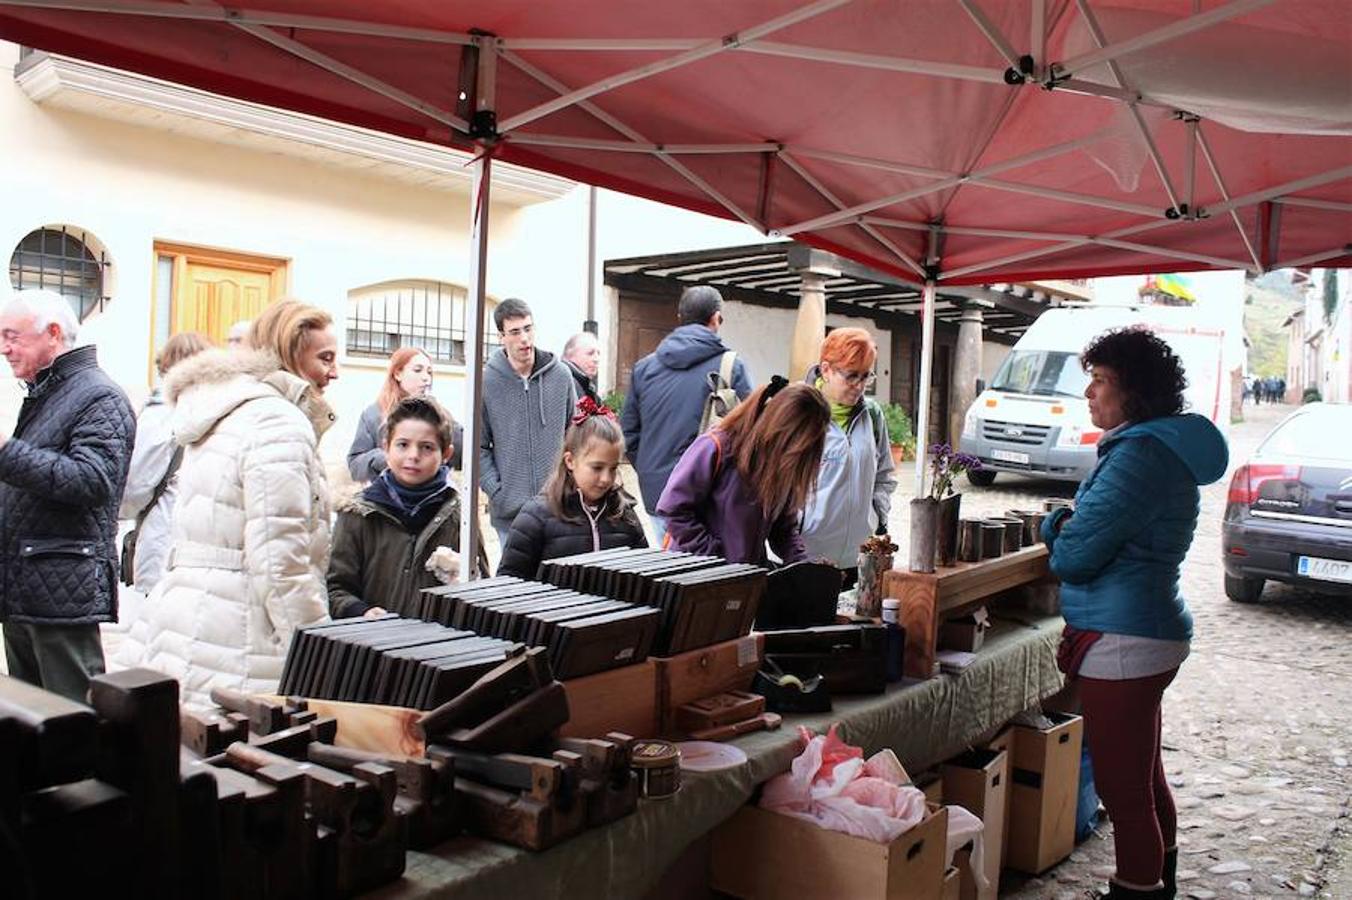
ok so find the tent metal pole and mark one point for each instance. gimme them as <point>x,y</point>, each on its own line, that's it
<point>981,175</point>
<point>1344,250</point>
<point>868,229</point>
<point>356,76</point>
<point>1225,197</point>
<point>991,32</point>
<point>587,106</point>
<point>1101,41</point>
<point>1068,197</point>
<point>1312,203</point>
<point>480,202</point>
<point>214,13</point>
<point>577,143</point>
<point>922,399</point>
<point>695,54</point>
<point>614,45</point>
<point>1037,36</point>
<point>1190,165</point>
<point>1158,36</point>
<point>965,231</point>
<point>1277,191</point>
<point>876,61</point>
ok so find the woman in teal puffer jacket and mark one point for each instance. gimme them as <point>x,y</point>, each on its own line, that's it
<point>1118,556</point>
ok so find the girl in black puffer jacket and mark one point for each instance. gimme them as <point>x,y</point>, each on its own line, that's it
<point>582,507</point>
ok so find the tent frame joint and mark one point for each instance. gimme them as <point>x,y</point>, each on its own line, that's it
<point>1017,76</point>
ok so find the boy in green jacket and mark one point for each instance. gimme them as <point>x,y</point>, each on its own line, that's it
<point>385,536</point>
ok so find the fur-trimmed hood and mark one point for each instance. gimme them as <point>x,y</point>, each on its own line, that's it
<point>209,386</point>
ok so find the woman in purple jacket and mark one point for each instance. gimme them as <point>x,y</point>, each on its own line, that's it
<point>746,481</point>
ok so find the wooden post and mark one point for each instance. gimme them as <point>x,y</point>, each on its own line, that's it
<point>811,325</point>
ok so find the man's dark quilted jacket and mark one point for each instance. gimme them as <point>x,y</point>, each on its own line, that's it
<point>61,478</point>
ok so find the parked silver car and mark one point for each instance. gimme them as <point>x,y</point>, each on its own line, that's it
<point>1288,516</point>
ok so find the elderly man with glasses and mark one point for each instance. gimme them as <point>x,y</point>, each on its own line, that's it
<point>856,480</point>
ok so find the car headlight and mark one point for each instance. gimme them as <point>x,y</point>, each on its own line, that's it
<point>1078,436</point>
<point>969,424</point>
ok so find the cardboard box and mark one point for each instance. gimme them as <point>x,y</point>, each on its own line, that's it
<point>770,856</point>
<point>978,781</point>
<point>964,634</point>
<point>623,699</point>
<point>951,884</point>
<point>1044,786</point>
<point>696,674</point>
<point>1004,743</point>
<point>932,783</point>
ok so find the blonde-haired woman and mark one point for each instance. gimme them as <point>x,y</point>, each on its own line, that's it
<point>250,543</point>
<point>409,375</point>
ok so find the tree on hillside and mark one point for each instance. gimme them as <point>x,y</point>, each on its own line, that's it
<point>1330,293</point>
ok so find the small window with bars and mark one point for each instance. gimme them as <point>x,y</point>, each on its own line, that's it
<point>430,315</point>
<point>64,260</point>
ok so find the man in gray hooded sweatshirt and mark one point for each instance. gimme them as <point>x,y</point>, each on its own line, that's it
<point>528,401</point>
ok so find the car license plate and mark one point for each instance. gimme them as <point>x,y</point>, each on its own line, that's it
<point>1324,569</point>
<point>1010,456</point>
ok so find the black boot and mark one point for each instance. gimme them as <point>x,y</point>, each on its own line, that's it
<point>1170,874</point>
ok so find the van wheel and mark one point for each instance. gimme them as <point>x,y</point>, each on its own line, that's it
<point>981,477</point>
<point>1243,590</point>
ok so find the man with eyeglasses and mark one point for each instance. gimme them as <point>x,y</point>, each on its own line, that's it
<point>528,401</point>
<point>661,415</point>
<point>853,497</point>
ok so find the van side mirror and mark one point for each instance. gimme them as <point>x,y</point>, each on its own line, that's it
<point>980,386</point>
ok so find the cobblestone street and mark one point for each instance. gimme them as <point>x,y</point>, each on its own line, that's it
<point>1257,728</point>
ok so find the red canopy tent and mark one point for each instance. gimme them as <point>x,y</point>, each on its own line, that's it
<point>949,141</point>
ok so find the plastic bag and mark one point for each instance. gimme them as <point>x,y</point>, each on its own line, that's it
<point>831,785</point>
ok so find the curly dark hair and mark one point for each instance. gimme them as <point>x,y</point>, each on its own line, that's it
<point>1148,372</point>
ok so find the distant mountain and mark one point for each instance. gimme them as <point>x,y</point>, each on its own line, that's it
<point>1268,302</point>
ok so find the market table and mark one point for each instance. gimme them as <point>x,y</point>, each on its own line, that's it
<point>923,721</point>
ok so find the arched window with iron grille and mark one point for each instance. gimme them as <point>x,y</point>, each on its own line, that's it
<point>64,260</point>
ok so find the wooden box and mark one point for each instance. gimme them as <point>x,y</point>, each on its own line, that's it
<point>1044,786</point>
<point>762,855</point>
<point>623,699</point>
<point>696,674</point>
<point>978,781</point>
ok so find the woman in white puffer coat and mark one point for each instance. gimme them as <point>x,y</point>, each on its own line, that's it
<point>250,545</point>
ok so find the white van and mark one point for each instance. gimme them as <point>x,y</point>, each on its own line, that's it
<point>1033,419</point>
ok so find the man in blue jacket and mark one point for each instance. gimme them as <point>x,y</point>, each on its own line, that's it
<point>667,389</point>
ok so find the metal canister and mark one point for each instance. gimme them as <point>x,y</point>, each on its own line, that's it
<point>1054,503</point>
<point>969,540</point>
<point>992,538</point>
<point>1013,532</point>
<point>1032,524</point>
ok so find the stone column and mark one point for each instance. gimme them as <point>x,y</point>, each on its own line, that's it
<point>810,327</point>
<point>966,370</point>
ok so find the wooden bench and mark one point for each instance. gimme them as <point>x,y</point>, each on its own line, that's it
<point>927,598</point>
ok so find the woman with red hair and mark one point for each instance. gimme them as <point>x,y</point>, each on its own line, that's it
<point>856,478</point>
<point>409,375</point>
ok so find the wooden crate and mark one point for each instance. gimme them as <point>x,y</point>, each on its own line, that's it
<point>694,675</point>
<point>929,598</point>
<point>623,699</point>
<point>762,855</point>
<point>1045,785</point>
<point>978,781</point>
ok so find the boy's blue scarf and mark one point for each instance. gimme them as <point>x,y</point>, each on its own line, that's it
<point>413,506</point>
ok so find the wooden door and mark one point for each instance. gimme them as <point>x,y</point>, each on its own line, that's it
<point>213,289</point>
<point>644,321</point>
